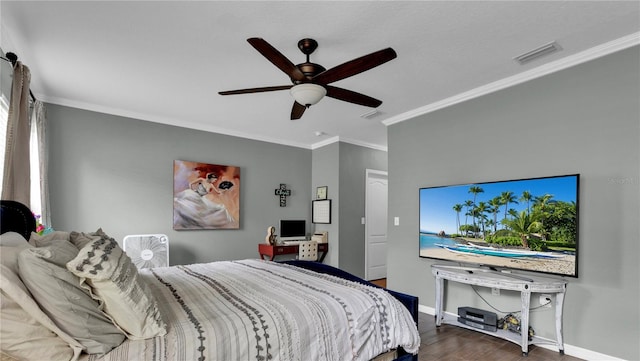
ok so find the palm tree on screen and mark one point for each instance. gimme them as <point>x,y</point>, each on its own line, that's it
<point>475,190</point>
<point>526,197</point>
<point>467,204</point>
<point>480,209</point>
<point>457,208</point>
<point>541,205</point>
<point>506,198</point>
<point>523,224</point>
<point>495,204</point>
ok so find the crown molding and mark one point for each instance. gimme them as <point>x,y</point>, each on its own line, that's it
<point>549,68</point>
<point>167,121</point>
<point>325,142</point>
<point>198,126</point>
<point>347,140</point>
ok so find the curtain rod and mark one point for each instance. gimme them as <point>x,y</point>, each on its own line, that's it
<point>13,59</point>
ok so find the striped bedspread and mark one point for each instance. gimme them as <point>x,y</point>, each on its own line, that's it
<point>261,310</point>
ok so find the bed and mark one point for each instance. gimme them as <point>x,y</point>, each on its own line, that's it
<point>233,310</point>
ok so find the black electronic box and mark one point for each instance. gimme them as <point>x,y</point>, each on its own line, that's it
<point>478,318</point>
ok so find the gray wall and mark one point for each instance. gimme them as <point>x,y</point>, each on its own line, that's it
<point>354,161</point>
<point>585,120</point>
<point>342,167</point>
<point>117,173</point>
<point>325,173</point>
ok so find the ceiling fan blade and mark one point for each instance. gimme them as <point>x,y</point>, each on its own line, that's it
<point>275,57</point>
<point>355,66</point>
<point>297,110</point>
<point>352,97</point>
<point>255,90</point>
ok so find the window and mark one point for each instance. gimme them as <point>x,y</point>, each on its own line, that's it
<point>34,161</point>
<point>36,203</point>
<point>4,115</point>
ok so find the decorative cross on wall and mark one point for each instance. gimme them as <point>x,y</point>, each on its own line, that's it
<point>283,192</point>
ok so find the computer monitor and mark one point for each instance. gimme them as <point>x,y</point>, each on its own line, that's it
<point>292,230</point>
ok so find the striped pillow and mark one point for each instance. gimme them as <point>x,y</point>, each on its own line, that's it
<point>115,281</point>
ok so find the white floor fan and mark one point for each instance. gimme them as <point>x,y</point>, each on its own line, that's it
<point>147,250</point>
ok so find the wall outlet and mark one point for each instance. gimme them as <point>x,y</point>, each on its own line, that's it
<point>545,300</point>
<point>495,291</point>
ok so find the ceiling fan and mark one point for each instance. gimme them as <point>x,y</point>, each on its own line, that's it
<point>311,81</point>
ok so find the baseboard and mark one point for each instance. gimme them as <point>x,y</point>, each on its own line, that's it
<point>570,350</point>
<point>426,309</point>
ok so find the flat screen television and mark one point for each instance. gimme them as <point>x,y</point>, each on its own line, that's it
<point>525,224</point>
<point>292,230</point>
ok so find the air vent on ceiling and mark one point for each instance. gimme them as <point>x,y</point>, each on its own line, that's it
<point>538,52</point>
<point>372,114</point>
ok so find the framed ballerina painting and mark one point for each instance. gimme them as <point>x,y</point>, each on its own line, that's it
<point>205,196</point>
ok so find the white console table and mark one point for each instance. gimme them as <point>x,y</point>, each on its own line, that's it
<point>506,281</point>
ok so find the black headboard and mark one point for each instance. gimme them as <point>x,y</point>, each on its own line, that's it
<point>16,217</point>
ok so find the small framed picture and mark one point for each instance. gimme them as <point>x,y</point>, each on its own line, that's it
<point>321,211</point>
<point>321,192</point>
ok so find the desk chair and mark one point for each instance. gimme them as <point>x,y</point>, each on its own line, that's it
<point>308,251</point>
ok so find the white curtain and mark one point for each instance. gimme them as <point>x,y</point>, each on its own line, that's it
<point>39,121</point>
<point>16,181</point>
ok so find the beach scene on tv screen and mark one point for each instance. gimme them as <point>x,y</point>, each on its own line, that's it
<point>529,224</point>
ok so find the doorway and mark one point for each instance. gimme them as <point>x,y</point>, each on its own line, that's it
<point>376,201</point>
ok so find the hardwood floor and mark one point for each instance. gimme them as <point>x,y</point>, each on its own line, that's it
<point>453,343</point>
<point>381,282</point>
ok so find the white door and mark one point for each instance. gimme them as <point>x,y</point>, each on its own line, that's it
<point>376,225</point>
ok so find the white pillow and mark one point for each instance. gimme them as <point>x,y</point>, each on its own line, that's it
<point>26,333</point>
<point>13,239</point>
<point>114,279</point>
<point>81,239</point>
<point>11,243</point>
<point>61,296</point>
<point>44,240</point>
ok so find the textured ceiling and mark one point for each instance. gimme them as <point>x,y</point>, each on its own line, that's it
<point>165,61</point>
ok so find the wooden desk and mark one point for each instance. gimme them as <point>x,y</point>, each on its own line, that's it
<point>273,251</point>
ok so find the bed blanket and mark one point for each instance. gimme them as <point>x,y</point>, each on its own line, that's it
<point>262,310</point>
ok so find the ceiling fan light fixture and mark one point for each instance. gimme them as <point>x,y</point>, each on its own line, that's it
<point>308,94</point>
<point>311,81</point>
